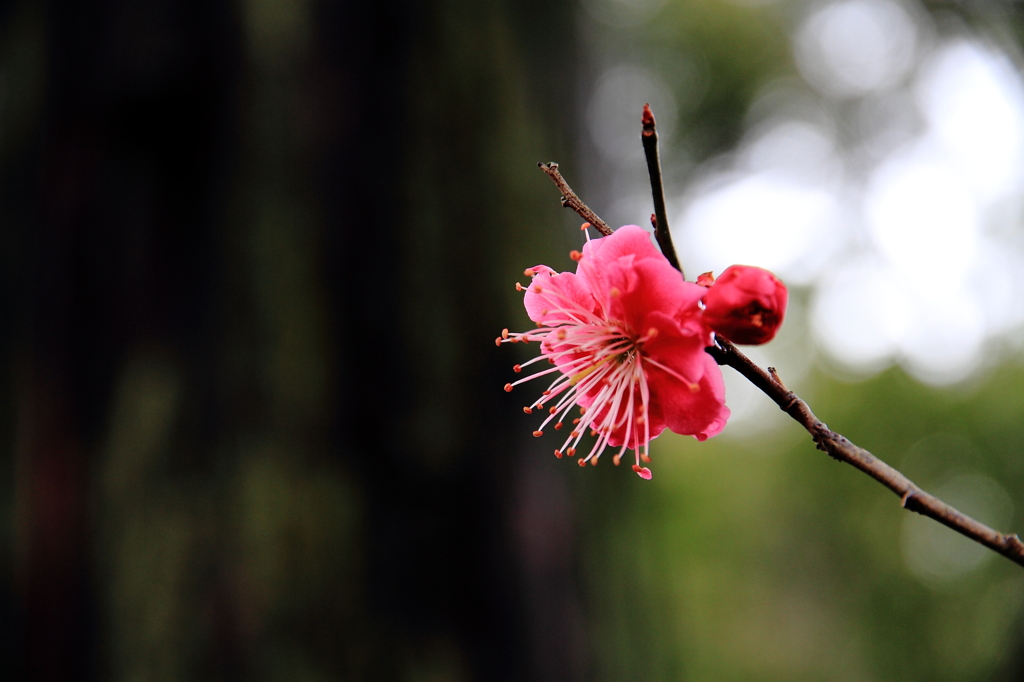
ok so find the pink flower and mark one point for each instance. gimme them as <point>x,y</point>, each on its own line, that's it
<point>746,304</point>
<point>626,339</point>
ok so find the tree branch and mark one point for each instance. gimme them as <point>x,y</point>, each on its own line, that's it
<point>837,446</point>
<point>570,200</point>
<point>659,220</point>
<point>840,448</point>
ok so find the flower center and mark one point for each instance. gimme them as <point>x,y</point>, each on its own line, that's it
<point>599,368</point>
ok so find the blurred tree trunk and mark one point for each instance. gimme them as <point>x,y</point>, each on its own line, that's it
<point>261,252</point>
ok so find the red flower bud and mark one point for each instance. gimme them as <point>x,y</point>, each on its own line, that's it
<point>746,305</point>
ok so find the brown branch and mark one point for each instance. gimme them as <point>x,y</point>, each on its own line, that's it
<point>659,220</point>
<point>838,447</point>
<point>570,200</point>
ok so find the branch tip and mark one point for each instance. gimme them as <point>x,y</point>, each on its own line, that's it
<point>570,200</point>
<point>649,138</point>
<point>647,120</point>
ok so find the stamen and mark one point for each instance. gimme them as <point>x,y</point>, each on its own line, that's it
<point>538,434</point>
<point>642,472</point>
<point>508,388</point>
<point>593,358</point>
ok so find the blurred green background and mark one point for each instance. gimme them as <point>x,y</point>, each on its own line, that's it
<point>254,258</point>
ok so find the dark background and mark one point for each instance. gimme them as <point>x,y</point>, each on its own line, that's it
<point>254,256</point>
<point>251,254</point>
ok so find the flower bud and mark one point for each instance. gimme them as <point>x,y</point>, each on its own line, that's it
<point>746,305</point>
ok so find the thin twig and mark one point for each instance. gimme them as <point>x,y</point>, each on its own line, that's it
<point>837,446</point>
<point>659,220</point>
<point>840,448</point>
<point>570,200</point>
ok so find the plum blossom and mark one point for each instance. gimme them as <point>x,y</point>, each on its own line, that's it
<point>625,336</point>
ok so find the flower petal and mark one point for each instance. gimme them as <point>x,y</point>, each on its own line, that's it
<point>675,349</point>
<point>555,298</point>
<point>699,413</point>
<point>598,254</point>
<point>639,288</point>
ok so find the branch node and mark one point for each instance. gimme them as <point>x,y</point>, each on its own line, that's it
<point>775,377</point>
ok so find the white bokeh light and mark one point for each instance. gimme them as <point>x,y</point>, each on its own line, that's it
<point>764,220</point>
<point>779,210</point>
<point>946,263</point>
<point>796,148</point>
<point>998,282</point>
<point>973,102</point>
<point>860,314</point>
<point>946,333</point>
<point>923,218</point>
<point>854,47</point>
